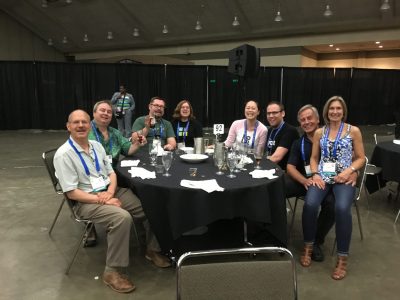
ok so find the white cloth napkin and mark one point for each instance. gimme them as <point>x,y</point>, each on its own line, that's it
<point>246,160</point>
<point>206,185</point>
<point>263,174</point>
<point>142,173</point>
<point>130,163</point>
<point>396,142</point>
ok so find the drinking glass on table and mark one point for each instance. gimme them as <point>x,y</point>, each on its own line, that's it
<point>167,161</point>
<point>231,161</point>
<point>153,149</point>
<point>258,154</point>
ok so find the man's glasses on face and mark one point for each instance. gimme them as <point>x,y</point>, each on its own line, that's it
<point>158,106</point>
<point>273,113</point>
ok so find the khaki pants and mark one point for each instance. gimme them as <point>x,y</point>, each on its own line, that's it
<point>118,223</point>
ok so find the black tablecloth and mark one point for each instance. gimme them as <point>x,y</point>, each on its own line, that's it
<point>387,156</point>
<point>172,209</point>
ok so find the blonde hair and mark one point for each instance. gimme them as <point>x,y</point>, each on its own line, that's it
<point>326,108</point>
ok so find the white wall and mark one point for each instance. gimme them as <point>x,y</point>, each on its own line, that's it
<point>18,43</point>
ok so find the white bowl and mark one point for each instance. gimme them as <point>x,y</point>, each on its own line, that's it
<point>187,150</point>
<point>194,158</point>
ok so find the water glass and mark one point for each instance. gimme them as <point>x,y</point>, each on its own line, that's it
<point>167,161</point>
<point>153,149</point>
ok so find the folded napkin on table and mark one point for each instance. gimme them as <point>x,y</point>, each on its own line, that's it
<point>246,160</point>
<point>263,174</point>
<point>396,142</point>
<point>142,173</point>
<point>130,163</point>
<point>206,185</point>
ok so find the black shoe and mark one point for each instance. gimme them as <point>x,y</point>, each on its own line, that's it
<point>91,240</point>
<point>317,254</point>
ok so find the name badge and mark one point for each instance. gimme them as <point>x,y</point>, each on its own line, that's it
<point>271,143</point>
<point>329,168</point>
<point>109,159</point>
<point>181,145</point>
<point>308,170</point>
<point>98,183</point>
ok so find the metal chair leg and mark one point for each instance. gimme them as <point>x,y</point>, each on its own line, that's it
<point>293,216</point>
<point>245,238</point>
<point>359,220</point>
<point>56,217</point>
<point>88,227</point>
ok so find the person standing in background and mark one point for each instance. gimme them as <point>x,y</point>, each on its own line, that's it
<point>124,106</point>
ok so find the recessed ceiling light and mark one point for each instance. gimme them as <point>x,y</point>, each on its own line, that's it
<point>377,42</point>
<point>85,38</point>
<point>136,32</point>
<point>380,46</point>
<point>235,21</point>
<point>165,29</point>
<point>331,45</point>
<point>110,35</point>
<point>337,49</point>
<point>328,12</point>
<point>385,5</point>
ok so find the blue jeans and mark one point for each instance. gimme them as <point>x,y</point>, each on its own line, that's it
<point>344,197</point>
<point>125,124</point>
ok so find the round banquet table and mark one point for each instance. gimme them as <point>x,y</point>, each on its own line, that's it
<point>387,156</point>
<point>172,209</point>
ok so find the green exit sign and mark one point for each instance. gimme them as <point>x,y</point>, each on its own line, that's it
<point>235,80</point>
<point>213,81</point>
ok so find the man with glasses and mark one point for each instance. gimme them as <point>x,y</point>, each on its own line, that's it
<point>280,135</point>
<point>154,127</point>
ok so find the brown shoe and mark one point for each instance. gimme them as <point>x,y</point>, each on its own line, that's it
<point>158,259</point>
<point>118,282</point>
<point>305,258</point>
<point>340,270</point>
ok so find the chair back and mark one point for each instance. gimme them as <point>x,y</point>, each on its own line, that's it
<point>242,273</point>
<point>361,180</point>
<point>383,138</point>
<point>48,157</point>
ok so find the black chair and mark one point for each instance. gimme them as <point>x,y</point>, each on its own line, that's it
<point>48,162</point>
<point>243,273</point>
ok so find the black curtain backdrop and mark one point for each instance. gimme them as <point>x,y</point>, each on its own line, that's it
<point>40,95</point>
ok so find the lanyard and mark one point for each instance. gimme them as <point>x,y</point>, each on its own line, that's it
<point>123,101</point>
<point>269,147</point>
<point>161,129</point>
<point>83,161</point>
<point>185,130</point>
<point>302,150</point>
<point>325,141</point>
<point>245,134</point>
<point>98,137</point>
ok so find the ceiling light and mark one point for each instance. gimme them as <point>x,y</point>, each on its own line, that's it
<point>380,46</point>
<point>165,29</point>
<point>337,49</point>
<point>64,40</point>
<point>331,45</point>
<point>85,38</point>
<point>377,42</point>
<point>68,1</point>
<point>235,21</point>
<point>385,5</point>
<point>198,25</point>
<point>278,17</point>
<point>328,12</point>
<point>44,3</point>
<point>110,35</point>
<point>50,42</point>
<point>135,32</point>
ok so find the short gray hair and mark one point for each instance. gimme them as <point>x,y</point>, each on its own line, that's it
<point>307,106</point>
<point>101,102</point>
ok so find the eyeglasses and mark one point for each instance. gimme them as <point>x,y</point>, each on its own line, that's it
<point>158,106</point>
<point>273,113</point>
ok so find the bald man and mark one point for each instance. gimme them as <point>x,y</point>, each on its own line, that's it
<point>87,177</point>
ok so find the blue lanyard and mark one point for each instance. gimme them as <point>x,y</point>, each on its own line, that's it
<point>245,134</point>
<point>269,147</point>
<point>184,131</point>
<point>161,129</point>
<point>83,161</point>
<point>98,137</point>
<point>302,150</point>
<point>325,141</point>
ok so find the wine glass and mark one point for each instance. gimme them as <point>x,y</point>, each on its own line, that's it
<point>219,162</point>
<point>153,149</point>
<point>167,161</point>
<point>258,154</point>
<point>231,160</point>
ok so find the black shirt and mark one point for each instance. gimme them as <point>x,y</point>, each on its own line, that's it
<point>284,138</point>
<point>195,129</point>
<point>295,156</point>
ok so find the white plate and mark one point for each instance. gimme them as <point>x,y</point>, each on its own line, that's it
<point>194,158</point>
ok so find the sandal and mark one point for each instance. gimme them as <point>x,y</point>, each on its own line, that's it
<point>305,259</point>
<point>340,270</point>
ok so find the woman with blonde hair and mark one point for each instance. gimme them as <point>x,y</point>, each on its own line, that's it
<point>337,152</point>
